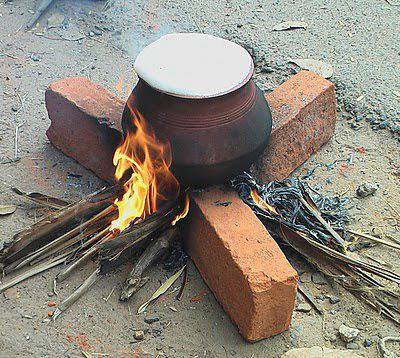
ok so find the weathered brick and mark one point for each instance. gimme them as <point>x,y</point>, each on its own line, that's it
<point>241,263</point>
<point>304,116</point>
<point>85,123</point>
<point>84,115</point>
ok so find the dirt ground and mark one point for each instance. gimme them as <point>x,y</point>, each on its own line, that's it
<point>359,38</point>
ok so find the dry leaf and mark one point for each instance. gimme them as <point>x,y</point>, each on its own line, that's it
<point>290,25</point>
<point>161,290</point>
<point>321,68</point>
<point>7,209</point>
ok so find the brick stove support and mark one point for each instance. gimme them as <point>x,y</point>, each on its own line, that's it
<point>234,253</point>
<point>85,123</point>
<point>241,263</point>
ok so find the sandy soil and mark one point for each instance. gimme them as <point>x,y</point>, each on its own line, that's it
<point>359,38</point>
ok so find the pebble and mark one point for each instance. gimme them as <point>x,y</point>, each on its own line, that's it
<point>383,124</point>
<point>366,189</point>
<point>138,335</point>
<point>367,343</point>
<point>331,337</point>
<point>334,299</point>
<point>348,334</point>
<point>34,57</point>
<point>318,279</point>
<point>395,129</point>
<point>303,307</point>
<point>151,319</point>
<point>267,69</point>
<point>352,345</point>
<point>97,31</point>
<point>305,277</point>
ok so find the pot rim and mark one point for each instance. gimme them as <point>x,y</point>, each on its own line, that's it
<point>219,94</point>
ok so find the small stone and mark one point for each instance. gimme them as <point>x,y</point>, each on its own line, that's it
<point>34,57</point>
<point>384,124</point>
<point>138,335</point>
<point>318,279</point>
<point>352,345</point>
<point>303,307</point>
<point>331,337</point>
<point>151,319</point>
<point>11,293</point>
<point>395,128</point>
<point>366,189</point>
<point>358,118</point>
<point>14,108</point>
<point>348,334</point>
<point>367,343</point>
<point>267,69</point>
<point>97,32</point>
<point>51,303</point>
<point>156,332</point>
<point>305,277</point>
<point>334,299</point>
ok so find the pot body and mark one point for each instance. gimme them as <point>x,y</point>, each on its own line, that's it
<point>212,139</point>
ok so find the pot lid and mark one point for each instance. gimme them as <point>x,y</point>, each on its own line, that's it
<point>194,65</point>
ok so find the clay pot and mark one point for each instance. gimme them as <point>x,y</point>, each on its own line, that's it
<point>212,139</point>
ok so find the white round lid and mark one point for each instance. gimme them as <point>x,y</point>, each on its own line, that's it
<point>194,65</point>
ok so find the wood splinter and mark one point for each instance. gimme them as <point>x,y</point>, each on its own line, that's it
<point>157,248</point>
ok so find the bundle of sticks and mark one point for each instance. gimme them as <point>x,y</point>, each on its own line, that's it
<point>75,233</point>
<point>315,228</point>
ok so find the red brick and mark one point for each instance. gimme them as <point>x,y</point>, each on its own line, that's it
<point>304,116</point>
<point>84,115</point>
<point>85,123</point>
<point>241,263</point>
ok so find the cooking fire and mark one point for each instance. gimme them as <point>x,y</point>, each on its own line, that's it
<point>195,118</point>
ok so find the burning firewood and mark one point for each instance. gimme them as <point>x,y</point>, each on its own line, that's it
<point>112,226</point>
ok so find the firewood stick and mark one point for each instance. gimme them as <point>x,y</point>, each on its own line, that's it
<point>78,293</point>
<point>33,271</point>
<point>63,238</point>
<point>82,260</point>
<point>68,244</point>
<point>151,254</point>
<point>46,229</point>
<point>42,199</point>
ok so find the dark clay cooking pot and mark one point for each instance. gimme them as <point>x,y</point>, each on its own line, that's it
<point>212,139</point>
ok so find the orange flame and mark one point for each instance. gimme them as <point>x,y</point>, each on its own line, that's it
<point>261,203</point>
<point>184,211</point>
<point>147,160</point>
